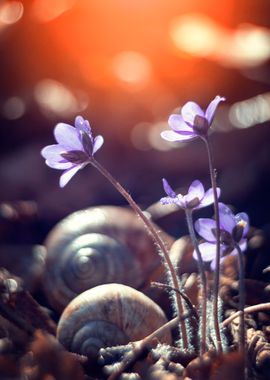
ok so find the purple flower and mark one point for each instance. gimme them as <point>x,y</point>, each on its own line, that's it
<point>192,122</point>
<point>233,230</point>
<point>74,149</point>
<point>194,199</point>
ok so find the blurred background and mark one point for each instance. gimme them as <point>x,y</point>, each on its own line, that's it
<point>125,66</point>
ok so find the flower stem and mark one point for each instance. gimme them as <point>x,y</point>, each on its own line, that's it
<point>217,271</point>
<point>157,239</point>
<point>242,334</point>
<point>203,280</point>
<point>249,309</point>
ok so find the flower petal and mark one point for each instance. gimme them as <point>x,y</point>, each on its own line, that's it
<point>67,136</point>
<point>243,218</point>
<point>167,188</point>
<point>82,124</point>
<point>243,245</point>
<point>177,123</point>
<point>68,174</point>
<point>168,200</point>
<point>205,228</point>
<point>59,165</point>
<point>227,218</point>
<point>214,265</point>
<point>174,136</point>
<point>208,251</point>
<point>98,142</point>
<point>208,198</point>
<point>196,189</point>
<point>211,109</point>
<point>52,152</point>
<point>189,111</point>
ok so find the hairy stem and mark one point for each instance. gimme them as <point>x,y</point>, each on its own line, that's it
<point>217,271</point>
<point>242,334</point>
<point>249,309</point>
<point>203,281</point>
<point>140,345</point>
<point>156,238</point>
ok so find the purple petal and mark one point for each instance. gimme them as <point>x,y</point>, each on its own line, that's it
<point>196,190</point>
<point>174,136</point>
<point>208,198</point>
<point>52,154</point>
<point>180,201</point>
<point>208,251</point>
<point>67,136</point>
<point>82,124</point>
<point>243,218</point>
<point>243,245</point>
<point>213,263</point>
<point>98,142</point>
<point>68,174</point>
<point>177,123</point>
<point>189,111</point>
<point>167,188</point>
<point>227,218</point>
<point>59,165</point>
<point>168,200</point>
<point>205,227</point>
<point>211,109</point>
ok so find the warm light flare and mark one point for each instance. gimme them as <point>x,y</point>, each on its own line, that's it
<point>198,35</point>
<point>56,99</point>
<point>10,12</point>
<point>252,44</point>
<point>195,34</point>
<point>48,10</point>
<point>131,67</point>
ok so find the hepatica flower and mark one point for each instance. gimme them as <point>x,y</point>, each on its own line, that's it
<point>193,121</point>
<point>75,148</point>
<point>195,198</point>
<point>233,230</point>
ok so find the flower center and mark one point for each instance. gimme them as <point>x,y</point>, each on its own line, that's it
<point>193,203</point>
<point>200,125</point>
<point>75,156</point>
<point>238,230</point>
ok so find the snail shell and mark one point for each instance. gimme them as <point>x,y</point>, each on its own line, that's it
<point>96,246</point>
<point>108,315</point>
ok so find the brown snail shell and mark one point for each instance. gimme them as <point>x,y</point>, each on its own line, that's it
<point>108,315</point>
<point>95,246</point>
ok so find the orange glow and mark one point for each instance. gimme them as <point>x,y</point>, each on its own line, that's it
<point>196,34</point>
<point>131,67</point>
<point>54,98</point>
<point>10,12</point>
<point>47,10</point>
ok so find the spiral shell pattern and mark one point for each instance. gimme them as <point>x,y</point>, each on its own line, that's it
<point>109,315</point>
<point>96,246</point>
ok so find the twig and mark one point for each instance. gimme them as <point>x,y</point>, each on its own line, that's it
<point>249,309</point>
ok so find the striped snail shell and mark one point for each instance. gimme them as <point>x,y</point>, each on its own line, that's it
<point>96,246</point>
<point>106,316</point>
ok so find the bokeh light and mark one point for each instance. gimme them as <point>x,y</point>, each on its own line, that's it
<point>10,12</point>
<point>126,66</point>
<point>48,10</point>
<point>131,67</point>
<point>196,34</point>
<point>54,98</point>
